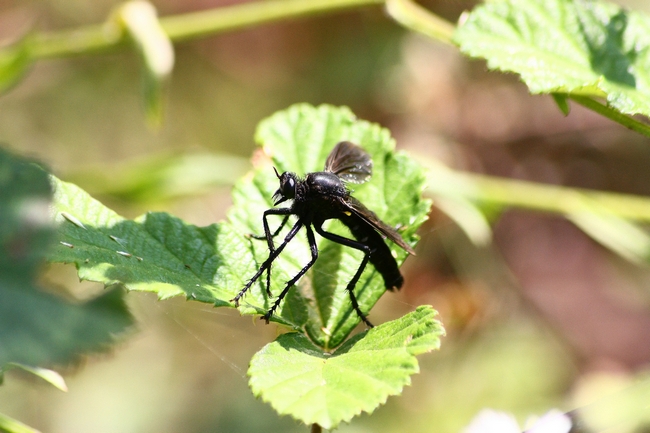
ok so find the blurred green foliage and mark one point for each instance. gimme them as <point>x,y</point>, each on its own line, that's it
<point>38,328</point>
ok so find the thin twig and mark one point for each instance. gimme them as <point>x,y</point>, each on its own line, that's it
<point>98,38</point>
<point>504,192</point>
<point>613,114</point>
<point>420,20</point>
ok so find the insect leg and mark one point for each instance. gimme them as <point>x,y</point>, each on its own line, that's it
<point>266,226</point>
<point>269,236</point>
<point>314,255</point>
<point>267,263</point>
<point>353,282</point>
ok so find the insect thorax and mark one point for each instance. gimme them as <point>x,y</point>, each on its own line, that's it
<point>325,183</point>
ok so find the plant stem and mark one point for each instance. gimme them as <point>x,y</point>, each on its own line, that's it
<point>96,38</point>
<point>420,20</point>
<point>503,192</point>
<point>240,16</point>
<point>610,113</point>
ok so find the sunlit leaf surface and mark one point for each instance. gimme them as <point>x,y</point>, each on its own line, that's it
<point>299,379</point>
<point>589,48</point>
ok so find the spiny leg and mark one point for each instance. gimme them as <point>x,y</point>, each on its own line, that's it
<point>267,263</point>
<point>269,237</point>
<point>267,230</point>
<point>313,247</point>
<point>353,282</point>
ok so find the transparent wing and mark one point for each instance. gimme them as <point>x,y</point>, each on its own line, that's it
<point>349,162</point>
<point>371,218</point>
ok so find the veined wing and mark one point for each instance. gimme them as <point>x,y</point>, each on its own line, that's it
<point>349,162</point>
<point>373,220</point>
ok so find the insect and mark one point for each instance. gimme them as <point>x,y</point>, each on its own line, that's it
<point>321,196</point>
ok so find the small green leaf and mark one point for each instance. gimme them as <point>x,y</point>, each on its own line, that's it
<point>46,374</point>
<point>10,425</point>
<point>38,328</point>
<point>297,378</point>
<point>562,102</point>
<point>589,48</point>
<point>140,20</point>
<point>14,63</point>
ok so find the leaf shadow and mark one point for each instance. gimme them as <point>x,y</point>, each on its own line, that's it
<point>607,55</point>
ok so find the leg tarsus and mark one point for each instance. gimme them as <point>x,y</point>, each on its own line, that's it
<point>355,305</point>
<point>353,282</point>
<point>267,263</point>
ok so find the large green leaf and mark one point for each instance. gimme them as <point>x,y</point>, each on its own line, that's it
<point>581,47</point>
<point>160,253</point>
<point>38,328</point>
<point>297,378</point>
<point>156,252</point>
<point>299,140</point>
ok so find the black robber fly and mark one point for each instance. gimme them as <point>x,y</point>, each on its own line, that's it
<point>321,196</point>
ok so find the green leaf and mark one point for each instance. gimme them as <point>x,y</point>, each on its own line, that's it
<point>26,229</point>
<point>299,139</point>
<point>51,376</point>
<point>297,378</point>
<point>140,20</point>
<point>562,102</point>
<point>39,328</point>
<point>588,48</point>
<point>10,425</point>
<point>14,63</point>
<point>155,253</point>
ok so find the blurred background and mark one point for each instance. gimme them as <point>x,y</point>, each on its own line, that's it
<point>542,317</point>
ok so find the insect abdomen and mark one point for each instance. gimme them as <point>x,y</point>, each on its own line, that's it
<point>381,256</point>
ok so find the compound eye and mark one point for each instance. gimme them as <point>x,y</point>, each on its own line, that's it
<point>289,188</point>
